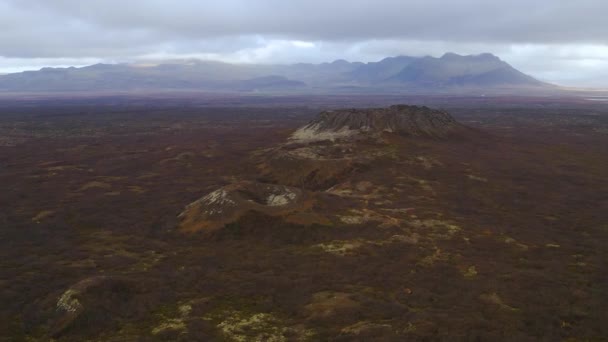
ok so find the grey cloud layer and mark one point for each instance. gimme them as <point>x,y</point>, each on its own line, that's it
<point>46,28</point>
<point>567,34</point>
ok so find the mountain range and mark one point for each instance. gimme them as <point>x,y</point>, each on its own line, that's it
<point>451,73</point>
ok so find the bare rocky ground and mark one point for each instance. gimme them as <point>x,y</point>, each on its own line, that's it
<point>496,234</point>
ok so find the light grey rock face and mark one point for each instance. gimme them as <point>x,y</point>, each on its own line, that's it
<point>229,198</point>
<point>94,303</point>
<point>399,119</point>
<point>230,202</point>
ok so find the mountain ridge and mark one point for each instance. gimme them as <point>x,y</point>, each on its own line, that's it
<point>450,72</point>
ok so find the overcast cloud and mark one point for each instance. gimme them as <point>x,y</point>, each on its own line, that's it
<point>565,42</point>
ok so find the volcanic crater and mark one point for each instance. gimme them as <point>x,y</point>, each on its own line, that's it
<point>324,154</point>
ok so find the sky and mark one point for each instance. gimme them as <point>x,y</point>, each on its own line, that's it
<point>563,42</point>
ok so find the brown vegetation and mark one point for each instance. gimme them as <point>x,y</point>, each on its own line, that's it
<point>500,235</point>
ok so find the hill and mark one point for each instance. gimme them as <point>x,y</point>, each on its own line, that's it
<point>400,119</point>
<point>302,175</point>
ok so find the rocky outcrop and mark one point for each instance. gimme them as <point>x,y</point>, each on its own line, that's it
<point>296,177</point>
<point>309,172</point>
<point>96,302</point>
<point>227,204</point>
<point>400,119</point>
<point>340,142</point>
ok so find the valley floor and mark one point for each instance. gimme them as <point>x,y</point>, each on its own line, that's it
<point>502,235</point>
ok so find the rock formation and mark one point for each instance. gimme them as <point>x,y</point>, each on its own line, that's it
<point>295,177</point>
<point>227,204</point>
<point>399,119</point>
<point>95,303</point>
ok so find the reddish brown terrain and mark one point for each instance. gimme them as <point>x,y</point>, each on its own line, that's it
<point>496,231</point>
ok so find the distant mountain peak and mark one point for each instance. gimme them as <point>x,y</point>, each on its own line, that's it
<point>450,55</point>
<point>487,55</point>
<point>340,61</point>
<point>454,70</point>
<point>481,56</point>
